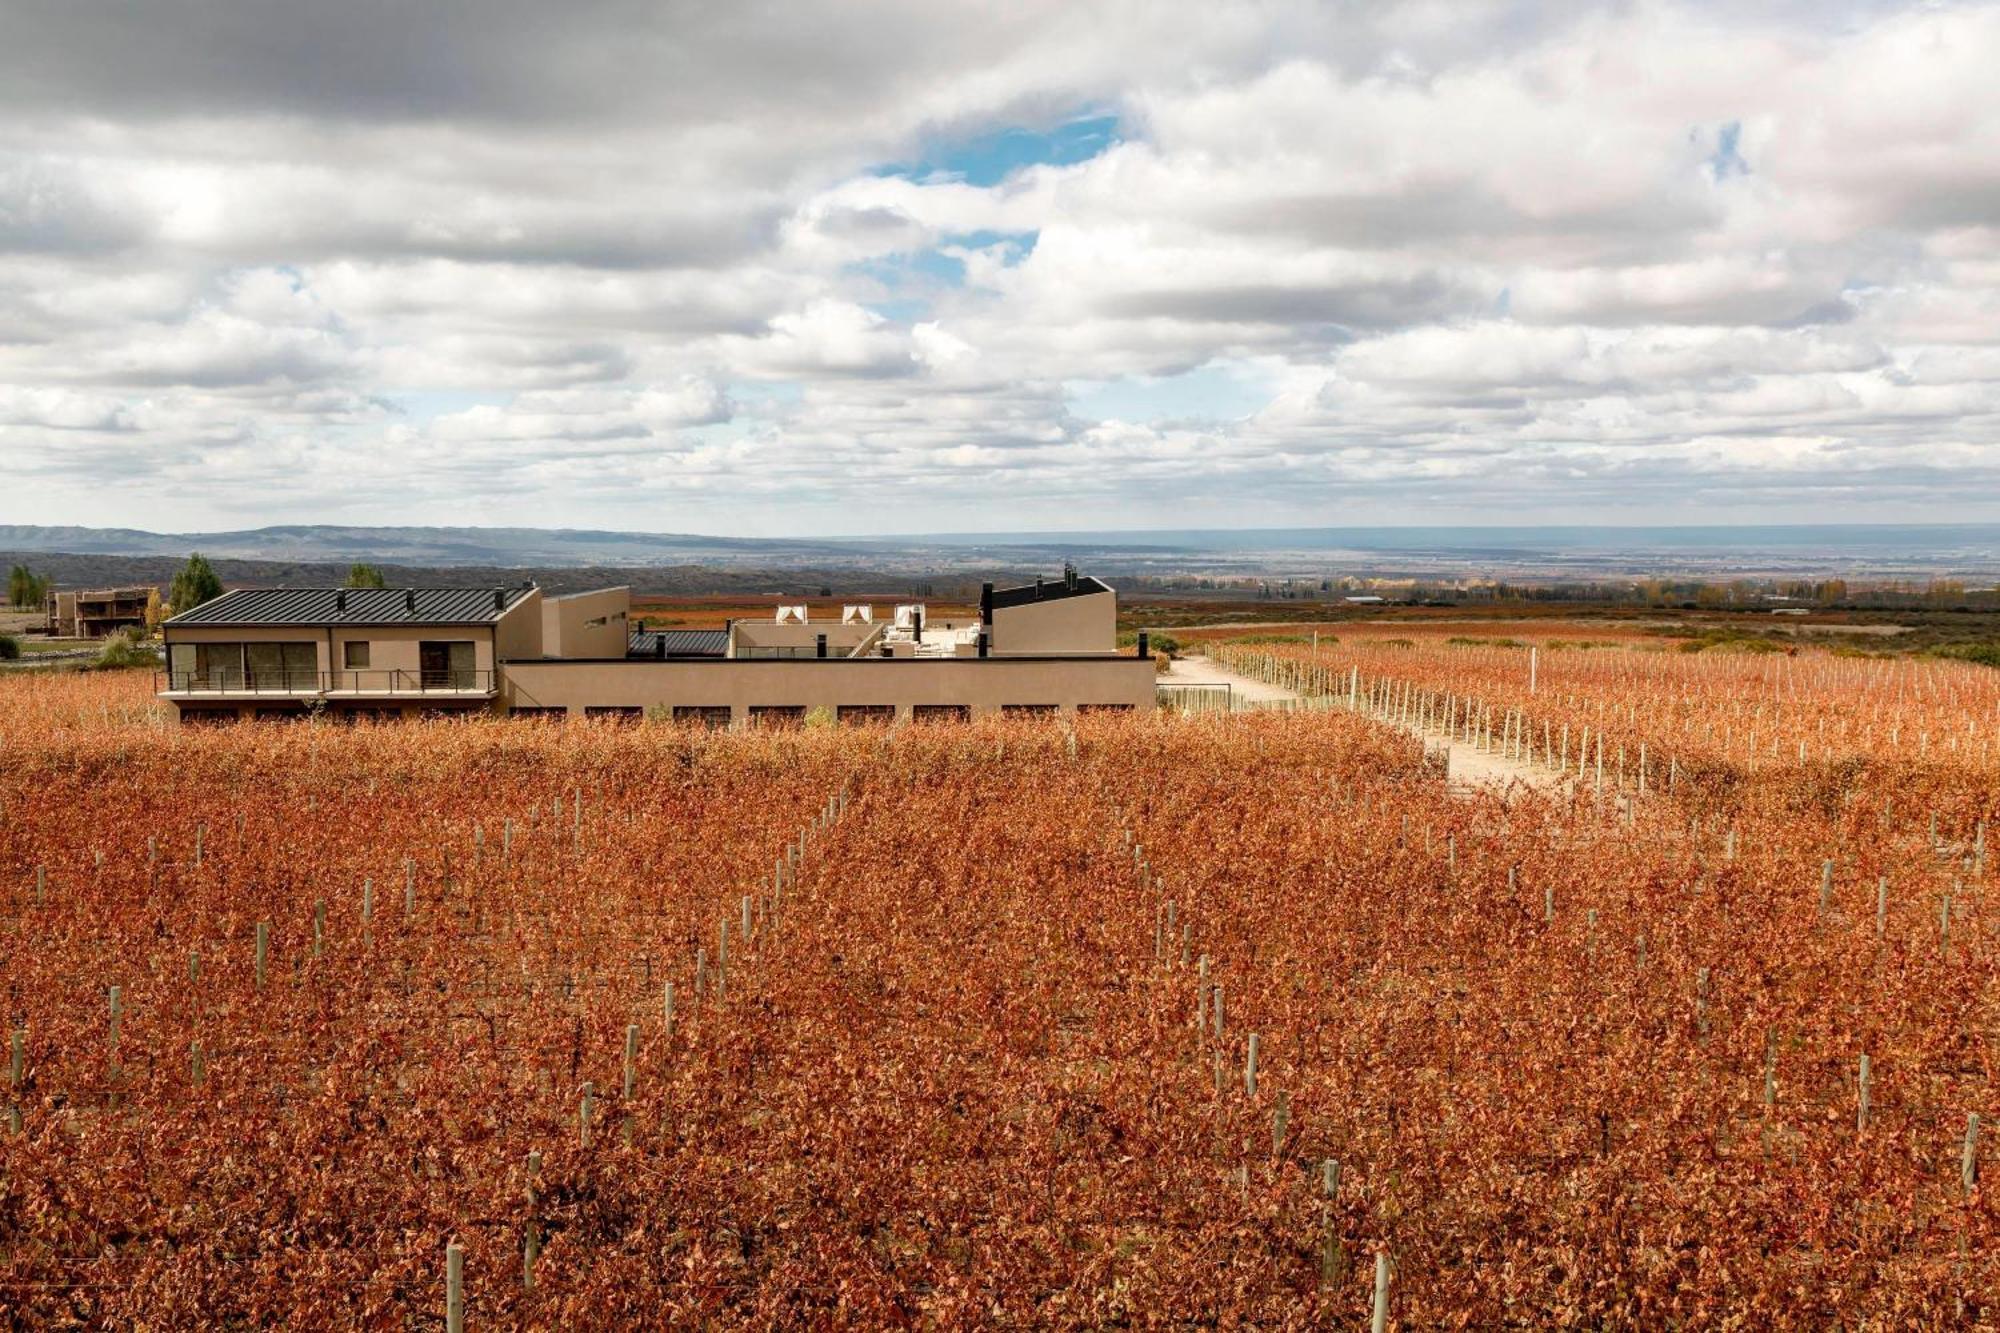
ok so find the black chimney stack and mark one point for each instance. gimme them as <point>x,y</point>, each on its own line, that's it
<point>982,643</point>
<point>660,646</point>
<point>340,600</point>
<point>917,625</point>
<point>1038,587</point>
<point>410,600</point>
<point>820,643</point>
<point>985,603</point>
<point>1142,644</point>
<point>499,599</point>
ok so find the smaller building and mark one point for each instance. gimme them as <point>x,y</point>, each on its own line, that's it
<point>97,613</point>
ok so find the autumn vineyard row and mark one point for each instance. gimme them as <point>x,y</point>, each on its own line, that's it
<point>1157,1022</point>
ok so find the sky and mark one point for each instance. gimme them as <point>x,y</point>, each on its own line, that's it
<point>842,268</point>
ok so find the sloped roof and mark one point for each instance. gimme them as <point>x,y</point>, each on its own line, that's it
<point>679,642</point>
<point>1050,590</point>
<point>354,606</point>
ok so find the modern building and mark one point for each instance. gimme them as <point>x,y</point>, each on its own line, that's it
<point>1050,646</point>
<point>97,613</point>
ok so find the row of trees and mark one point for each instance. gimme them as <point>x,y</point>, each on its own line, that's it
<point>25,587</point>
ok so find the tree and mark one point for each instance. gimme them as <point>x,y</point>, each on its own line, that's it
<point>26,588</point>
<point>195,584</point>
<point>365,576</point>
<point>156,610</point>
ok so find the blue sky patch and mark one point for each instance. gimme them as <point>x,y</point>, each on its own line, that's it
<point>988,159</point>
<point>910,278</point>
<point>1726,160</point>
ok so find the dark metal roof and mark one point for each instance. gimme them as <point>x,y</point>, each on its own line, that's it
<point>1050,590</point>
<point>679,643</point>
<point>354,606</point>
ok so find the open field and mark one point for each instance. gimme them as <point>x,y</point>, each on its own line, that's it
<point>1160,1021</point>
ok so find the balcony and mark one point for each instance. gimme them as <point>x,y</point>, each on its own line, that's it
<point>332,685</point>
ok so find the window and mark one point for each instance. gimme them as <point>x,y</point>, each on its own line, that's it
<point>1026,710</point>
<point>370,715</point>
<point>207,717</point>
<point>778,715</point>
<point>535,713</point>
<point>715,719</point>
<point>1104,708</point>
<point>865,715</point>
<point>281,666</point>
<point>354,654</point>
<point>446,664</point>
<point>629,715</point>
<point>207,666</point>
<point>941,713</point>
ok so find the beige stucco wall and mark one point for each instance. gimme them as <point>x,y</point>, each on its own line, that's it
<point>840,639</point>
<point>519,631</point>
<point>985,686</point>
<point>566,631</point>
<point>1085,624</point>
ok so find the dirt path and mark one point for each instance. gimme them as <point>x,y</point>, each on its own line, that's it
<point>1470,768</point>
<point>1242,689</point>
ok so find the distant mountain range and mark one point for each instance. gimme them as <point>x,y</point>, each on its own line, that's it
<point>501,547</point>
<point>1965,550</point>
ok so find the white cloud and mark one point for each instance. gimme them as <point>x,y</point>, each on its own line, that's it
<point>1509,261</point>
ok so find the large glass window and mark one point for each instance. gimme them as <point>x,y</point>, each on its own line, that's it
<point>206,666</point>
<point>281,666</point>
<point>354,654</point>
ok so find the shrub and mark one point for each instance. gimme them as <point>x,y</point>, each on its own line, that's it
<point>1155,641</point>
<point>10,647</point>
<point>1985,652</point>
<point>124,651</point>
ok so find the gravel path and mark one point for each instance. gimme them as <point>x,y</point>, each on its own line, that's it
<point>1471,768</point>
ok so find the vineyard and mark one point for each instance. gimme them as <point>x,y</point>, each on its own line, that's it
<point>1244,1019</point>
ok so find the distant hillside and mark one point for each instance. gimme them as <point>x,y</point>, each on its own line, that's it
<point>67,570</point>
<point>509,548</point>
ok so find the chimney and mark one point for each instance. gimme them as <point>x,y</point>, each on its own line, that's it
<point>819,642</point>
<point>917,625</point>
<point>1069,576</point>
<point>1143,645</point>
<point>982,643</point>
<point>499,599</point>
<point>410,600</point>
<point>985,603</point>
<point>340,600</point>
<point>660,646</point>
<point>1038,587</point>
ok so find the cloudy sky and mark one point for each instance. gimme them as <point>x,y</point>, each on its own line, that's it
<point>851,267</point>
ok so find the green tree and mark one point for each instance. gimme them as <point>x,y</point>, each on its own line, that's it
<point>26,588</point>
<point>195,584</point>
<point>365,576</point>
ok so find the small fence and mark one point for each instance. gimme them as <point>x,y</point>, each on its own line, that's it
<point>1217,698</point>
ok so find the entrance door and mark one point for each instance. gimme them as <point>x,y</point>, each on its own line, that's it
<point>445,665</point>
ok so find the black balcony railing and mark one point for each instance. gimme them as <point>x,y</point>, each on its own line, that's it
<point>359,683</point>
